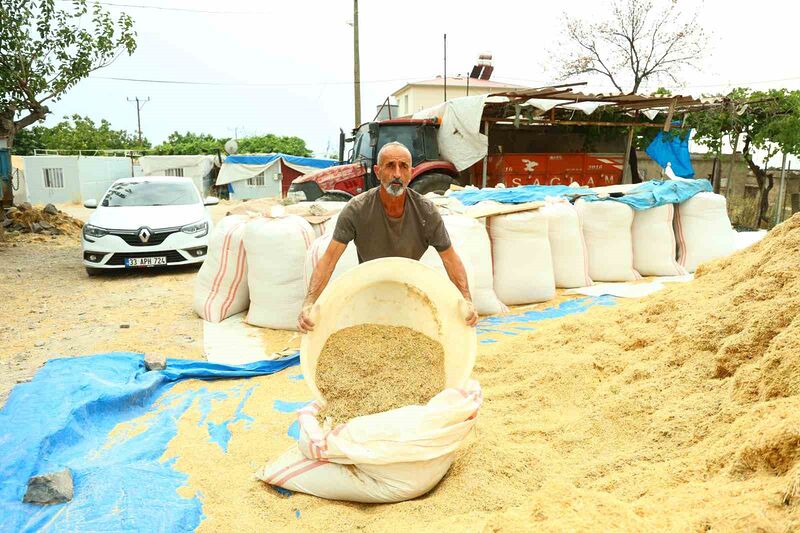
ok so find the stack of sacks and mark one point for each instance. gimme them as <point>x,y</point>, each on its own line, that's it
<point>570,258</point>
<point>220,289</point>
<point>703,230</point>
<point>471,242</point>
<point>347,261</point>
<point>654,242</point>
<point>607,232</point>
<point>521,258</point>
<point>276,254</point>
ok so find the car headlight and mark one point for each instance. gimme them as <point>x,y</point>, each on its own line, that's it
<point>93,231</point>
<point>198,229</point>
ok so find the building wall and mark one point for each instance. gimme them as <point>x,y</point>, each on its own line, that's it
<point>98,173</point>
<point>416,97</point>
<point>242,190</point>
<point>34,179</point>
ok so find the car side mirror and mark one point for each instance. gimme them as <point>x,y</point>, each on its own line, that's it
<point>211,200</point>
<point>90,204</point>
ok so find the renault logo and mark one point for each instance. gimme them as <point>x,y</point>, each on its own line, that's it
<point>144,235</point>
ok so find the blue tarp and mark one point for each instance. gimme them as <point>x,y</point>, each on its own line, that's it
<point>62,418</point>
<point>648,194</point>
<point>263,159</point>
<point>657,192</point>
<point>674,150</point>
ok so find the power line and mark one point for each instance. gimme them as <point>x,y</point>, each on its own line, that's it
<point>180,9</point>
<point>238,84</point>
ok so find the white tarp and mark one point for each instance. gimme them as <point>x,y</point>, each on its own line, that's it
<point>460,139</point>
<point>232,172</point>
<point>195,167</point>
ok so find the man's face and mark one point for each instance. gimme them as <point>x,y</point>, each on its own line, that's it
<point>394,170</point>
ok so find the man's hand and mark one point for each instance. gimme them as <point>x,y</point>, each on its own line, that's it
<point>304,322</point>
<point>472,316</point>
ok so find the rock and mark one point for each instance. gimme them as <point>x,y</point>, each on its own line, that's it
<point>52,487</point>
<point>124,326</point>
<point>45,225</point>
<point>25,206</point>
<point>39,344</point>
<point>6,223</point>
<point>50,209</point>
<point>36,227</point>
<point>155,362</point>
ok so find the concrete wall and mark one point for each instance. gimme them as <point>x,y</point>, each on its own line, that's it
<point>416,97</point>
<point>34,179</point>
<point>98,173</point>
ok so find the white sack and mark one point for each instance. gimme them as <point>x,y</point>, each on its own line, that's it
<point>607,232</point>
<point>521,258</point>
<point>347,261</point>
<point>654,247</point>
<point>276,255</point>
<point>220,288</point>
<point>395,456</point>
<point>703,230</point>
<point>567,246</point>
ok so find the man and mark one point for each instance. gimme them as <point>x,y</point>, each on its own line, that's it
<point>388,221</point>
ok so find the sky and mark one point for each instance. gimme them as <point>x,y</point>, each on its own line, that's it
<point>287,67</point>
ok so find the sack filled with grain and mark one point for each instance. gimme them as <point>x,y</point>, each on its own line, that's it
<point>607,232</point>
<point>521,258</point>
<point>703,230</point>
<point>654,247</point>
<point>347,261</point>
<point>567,246</point>
<point>392,456</point>
<point>220,288</point>
<point>276,253</point>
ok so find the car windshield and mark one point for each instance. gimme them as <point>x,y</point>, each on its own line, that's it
<point>150,193</point>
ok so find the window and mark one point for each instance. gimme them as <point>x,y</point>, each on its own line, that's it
<point>53,178</point>
<point>174,172</point>
<point>150,193</point>
<point>257,180</point>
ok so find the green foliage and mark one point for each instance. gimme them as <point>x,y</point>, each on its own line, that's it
<point>198,143</point>
<point>46,50</point>
<point>76,133</point>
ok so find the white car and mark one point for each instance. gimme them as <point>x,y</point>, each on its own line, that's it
<point>147,222</point>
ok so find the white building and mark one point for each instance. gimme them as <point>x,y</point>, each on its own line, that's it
<point>198,167</point>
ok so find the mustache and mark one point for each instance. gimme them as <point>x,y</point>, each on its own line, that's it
<point>396,182</point>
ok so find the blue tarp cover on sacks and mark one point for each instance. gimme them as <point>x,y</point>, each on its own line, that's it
<point>62,418</point>
<point>515,195</point>
<point>263,159</point>
<point>659,192</point>
<point>674,150</point>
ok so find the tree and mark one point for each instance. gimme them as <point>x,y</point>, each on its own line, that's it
<point>198,143</point>
<point>76,133</point>
<point>640,41</point>
<point>44,51</point>
<point>189,144</point>
<point>269,143</point>
<point>765,121</point>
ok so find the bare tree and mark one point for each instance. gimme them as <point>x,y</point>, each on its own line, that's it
<point>639,41</point>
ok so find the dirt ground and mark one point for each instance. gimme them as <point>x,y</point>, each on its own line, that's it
<point>51,308</point>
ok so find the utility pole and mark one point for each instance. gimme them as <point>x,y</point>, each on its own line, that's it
<point>445,67</point>
<point>356,65</point>
<point>139,106</point>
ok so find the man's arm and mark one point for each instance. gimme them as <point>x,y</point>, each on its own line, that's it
<point>458,275</point>
<point>319,280</point>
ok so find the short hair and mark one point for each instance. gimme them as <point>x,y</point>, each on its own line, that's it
<point>389,145</point>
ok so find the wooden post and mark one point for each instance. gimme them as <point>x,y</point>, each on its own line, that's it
<point>730,166</point>
<point>668,121</point>
<point>626,173</point>
<point>781,189</point>
<point>486,157</point>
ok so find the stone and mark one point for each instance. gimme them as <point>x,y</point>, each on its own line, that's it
<point>155,362</point>
<point>25,206</point>
<point>52,487</point>
<point>45,225</point>
<point>124,326</point>
<point>6,223</point>
<point>39,344</point>
<point>50,209</point>
<point>36,227</point>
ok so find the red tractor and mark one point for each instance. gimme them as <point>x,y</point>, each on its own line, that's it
<point>355,175</point>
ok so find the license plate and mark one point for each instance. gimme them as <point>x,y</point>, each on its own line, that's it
<point>145,261</point>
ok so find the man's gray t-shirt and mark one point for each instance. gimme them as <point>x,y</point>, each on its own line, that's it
<point>364,220</point>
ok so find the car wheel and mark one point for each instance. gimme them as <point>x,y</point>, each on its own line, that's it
<point>433,182</point>
<point>334,196</point>
<point>91,272</point>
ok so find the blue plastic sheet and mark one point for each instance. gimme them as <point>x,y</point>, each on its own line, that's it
<point>62,418</point>
<point>672,149</point>
<point>263,159</point>
<point>515,195</point>
<point>656,193</point>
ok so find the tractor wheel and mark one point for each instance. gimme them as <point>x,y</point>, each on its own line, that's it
<point>433,182</point>
<point>334,196</point>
